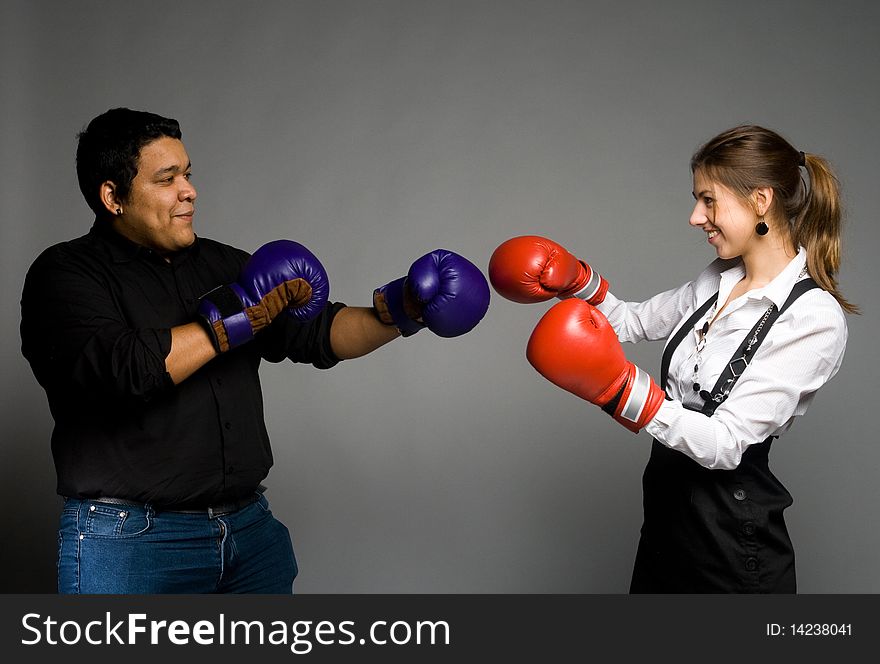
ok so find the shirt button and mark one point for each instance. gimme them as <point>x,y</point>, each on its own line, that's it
<point>228,425</point>
<point>751,564</point>
<point>739,494</point>
<point>219,381</point>
<point>91,508</point>
<point>231,469</point>
<point>749,528</point>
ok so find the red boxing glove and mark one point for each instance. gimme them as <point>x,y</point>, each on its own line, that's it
<point>575,347</point>
<point>530,268</point>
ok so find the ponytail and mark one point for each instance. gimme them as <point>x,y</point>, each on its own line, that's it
<point>818,228</point>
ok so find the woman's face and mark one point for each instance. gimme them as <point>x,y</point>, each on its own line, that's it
<point>728,221</point>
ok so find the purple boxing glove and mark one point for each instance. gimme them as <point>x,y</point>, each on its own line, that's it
<point>280,276</point>
<point>443,291</point>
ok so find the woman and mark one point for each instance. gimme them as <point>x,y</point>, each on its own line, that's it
<point>750,341</point>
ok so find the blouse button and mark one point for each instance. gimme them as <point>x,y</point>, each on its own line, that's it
<point>739,494</point>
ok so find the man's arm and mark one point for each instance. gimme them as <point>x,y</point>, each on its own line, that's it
<point>281,276</point>
<point>356,331</point>
<point>442,291</point>
<point>191,349</point>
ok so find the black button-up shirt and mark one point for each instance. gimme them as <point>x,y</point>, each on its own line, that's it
<point>97,314</point>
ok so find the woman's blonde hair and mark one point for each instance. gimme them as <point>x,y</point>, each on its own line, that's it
<point>748,157</point>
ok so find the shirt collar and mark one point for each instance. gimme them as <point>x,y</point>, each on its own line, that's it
<point>776,291</point>
<point>123,250</point>
<point>779,289</point>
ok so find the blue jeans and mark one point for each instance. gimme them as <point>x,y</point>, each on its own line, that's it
<point>121,549</point>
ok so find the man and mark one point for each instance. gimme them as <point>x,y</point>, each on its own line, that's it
<point>147,340</point>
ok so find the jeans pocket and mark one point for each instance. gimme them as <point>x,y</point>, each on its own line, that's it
<point>111,521</point>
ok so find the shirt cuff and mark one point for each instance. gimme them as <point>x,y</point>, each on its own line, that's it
<point>607,305</point>
<point>659,424</point>
<point>688,432</point>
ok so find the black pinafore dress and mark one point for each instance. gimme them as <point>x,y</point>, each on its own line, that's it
<point>715,531</point>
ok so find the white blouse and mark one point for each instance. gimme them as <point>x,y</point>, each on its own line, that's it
<point>802,351</point>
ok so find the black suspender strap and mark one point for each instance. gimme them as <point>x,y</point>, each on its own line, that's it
<point>679,335</point>
<point>741,357</point>
<point>748,348</point>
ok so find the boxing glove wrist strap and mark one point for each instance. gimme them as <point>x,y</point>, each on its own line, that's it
<point>595,288</point>
<point>640,390</point>
<point>393,305</point>
<point>637,401</point>
<point>224,316</point>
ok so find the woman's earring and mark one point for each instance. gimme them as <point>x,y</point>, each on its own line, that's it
<point>761,228</point>
<point>119,212</point>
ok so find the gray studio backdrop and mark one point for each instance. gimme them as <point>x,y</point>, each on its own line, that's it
<point>373,132</point>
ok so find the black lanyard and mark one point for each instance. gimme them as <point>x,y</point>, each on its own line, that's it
<point>743,355</point>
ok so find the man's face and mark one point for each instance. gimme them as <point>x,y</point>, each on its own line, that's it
<point>159,209</point>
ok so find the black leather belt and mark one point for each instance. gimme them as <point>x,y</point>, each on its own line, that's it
<point>210,512</point>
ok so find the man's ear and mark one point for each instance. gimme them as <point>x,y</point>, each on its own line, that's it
<point>110,198</point>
